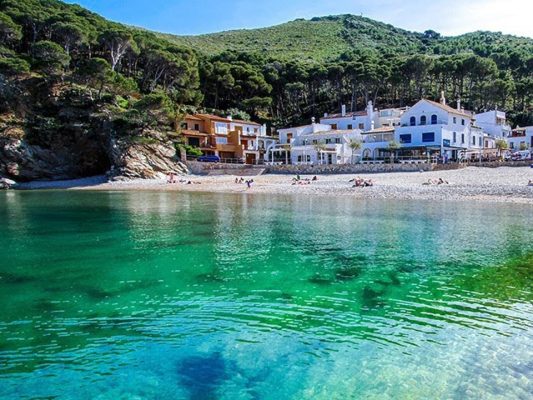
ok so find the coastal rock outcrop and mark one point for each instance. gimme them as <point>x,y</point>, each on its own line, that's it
<point>147,160</point>
<point>6,183</point>
<point>50,130</point>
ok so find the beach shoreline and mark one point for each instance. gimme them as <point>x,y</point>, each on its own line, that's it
<point>504,184</point>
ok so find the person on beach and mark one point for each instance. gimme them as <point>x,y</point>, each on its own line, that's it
<point>442,182</point>
<point>315,178</point>
<point>530,183</point>
<point>237,180</point>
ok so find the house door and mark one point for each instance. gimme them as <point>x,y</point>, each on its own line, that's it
<point>250,158</point>
<point>330,158</point>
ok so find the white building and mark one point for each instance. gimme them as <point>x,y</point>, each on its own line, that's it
<point>494,123</point>
<point>364,120</point>
<point>315,144</point>
<point>521,139</point>
<point>436,129</point>
<point>326,147</point>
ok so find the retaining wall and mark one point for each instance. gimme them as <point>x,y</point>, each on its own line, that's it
<point>205,168</point>
<point>496,164</point>
<point>355,168</point>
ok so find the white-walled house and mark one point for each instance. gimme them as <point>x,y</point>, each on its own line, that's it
<point>430,128</point>
<point>314,144</point>
<point>376,142</point>
<point>326,147</point>
<point>364,120</point>
<point>361,120</point>
<point>521,138</point>
<point>281,151</point>
<point>494,123</point>
<point>287,135</point>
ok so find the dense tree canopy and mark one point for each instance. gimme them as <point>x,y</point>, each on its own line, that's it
<point>284,74</point>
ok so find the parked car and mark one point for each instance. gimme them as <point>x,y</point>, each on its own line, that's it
<point>214,159</point>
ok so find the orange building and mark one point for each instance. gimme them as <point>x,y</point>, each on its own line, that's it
<point>225,137</point>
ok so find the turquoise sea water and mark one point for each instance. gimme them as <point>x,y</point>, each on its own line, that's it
<point>197,296</point>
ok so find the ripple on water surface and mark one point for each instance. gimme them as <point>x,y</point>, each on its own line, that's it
<point>166,295</point>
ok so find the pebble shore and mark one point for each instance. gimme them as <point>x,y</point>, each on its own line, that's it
<point>504,184</point>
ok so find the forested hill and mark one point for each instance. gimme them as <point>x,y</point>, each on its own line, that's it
<point>280,75</point>
<point>327,38</point>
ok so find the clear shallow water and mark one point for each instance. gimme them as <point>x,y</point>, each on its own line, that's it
<point>190,296</point>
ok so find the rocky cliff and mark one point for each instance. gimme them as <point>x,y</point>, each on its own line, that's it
<point>50,130</point>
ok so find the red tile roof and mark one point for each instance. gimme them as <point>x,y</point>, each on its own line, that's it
<point>188,116</point>
<point>246,122</point>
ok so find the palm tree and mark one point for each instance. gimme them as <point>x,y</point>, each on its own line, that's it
<point>354,146</point>
<point>501,145</point>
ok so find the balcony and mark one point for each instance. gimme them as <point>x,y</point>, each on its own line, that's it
<point>379,138</point>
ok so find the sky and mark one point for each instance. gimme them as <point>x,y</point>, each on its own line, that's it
<point>448,17</point>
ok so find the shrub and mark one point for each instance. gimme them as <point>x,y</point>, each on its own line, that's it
<point>13,66</point>
<point>50,57</point>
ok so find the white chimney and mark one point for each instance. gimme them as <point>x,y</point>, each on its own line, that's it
<point>325,115</point>
<point>459,104</point>
<point>442,98</point>
<point>229,117</point>
<point>343,110</point>
<point>313,120</point>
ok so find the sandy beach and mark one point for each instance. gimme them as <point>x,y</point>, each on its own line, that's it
<point>504,184</point>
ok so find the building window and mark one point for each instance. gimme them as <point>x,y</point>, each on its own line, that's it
<point>511,145</point>
<point>184,125</point>
<point>462,138</point>
<point>361,126</point>
<point>474,140</point>
<point>454,120</point>
<point>315,141</point>
<point>337,140</point>
<point>462,121</point>
<point>455,137</point>
<point>428,137</point>
<point>289,137</point>
<point>405,138</point>
<point>222,140</point>
<point>350,126</point>
<point>328,141</point>
<point>412,121</point>
<point>334,126</point>
<point>423,120</point>
<point>196,127</point>
<point>434,119</point>
<point>194,142</point>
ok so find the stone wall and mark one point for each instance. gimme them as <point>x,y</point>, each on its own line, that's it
<point>351,168</point>
<point>496,164</point>
<point>205,168</point>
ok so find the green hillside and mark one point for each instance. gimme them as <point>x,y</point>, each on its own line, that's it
<point>326,38</point>
<point>281,75</point>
